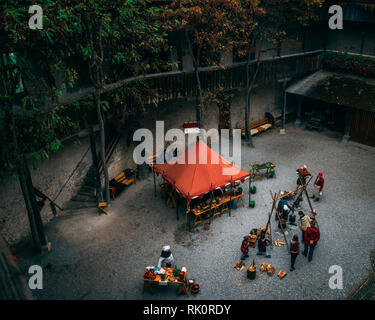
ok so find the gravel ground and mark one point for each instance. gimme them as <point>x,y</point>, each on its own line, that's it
<point>103,257</point>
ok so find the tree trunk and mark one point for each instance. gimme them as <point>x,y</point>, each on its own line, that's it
<point>247,116</point>
<point>200,97</point>
<point>102,144</point>
<point>24,185</point>
<point>250,85</point>
<point>95,162</point>
<point>30,213</point>
<point>196,61</point>
<point>34,205</point>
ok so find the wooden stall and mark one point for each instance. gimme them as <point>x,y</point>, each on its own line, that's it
<point>209,186</point>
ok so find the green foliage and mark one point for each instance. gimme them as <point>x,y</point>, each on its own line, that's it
<point>129,34</point>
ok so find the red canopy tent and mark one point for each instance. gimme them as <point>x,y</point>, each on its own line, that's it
<point>194,180</point>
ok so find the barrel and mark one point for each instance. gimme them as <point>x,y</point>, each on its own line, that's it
<point>251,272</point>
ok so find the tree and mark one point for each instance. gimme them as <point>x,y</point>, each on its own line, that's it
<point>209,27</point>
<point>24,91</point>
<point>109,34</point>
<point>274,19</point>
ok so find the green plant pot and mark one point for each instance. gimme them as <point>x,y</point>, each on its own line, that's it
<point>252,203</point>
<point>253,189</point>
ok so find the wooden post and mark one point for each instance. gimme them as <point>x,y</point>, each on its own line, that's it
<point>304,191</point>
<point>282,229</point>
<point>274,199</point>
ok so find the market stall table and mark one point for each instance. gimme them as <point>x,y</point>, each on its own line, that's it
<point>170,278</point>
<point>268,166</point>
<point>217,208</point>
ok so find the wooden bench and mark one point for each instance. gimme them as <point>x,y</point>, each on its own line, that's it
<point>257,127</point>
<point>120,182</point>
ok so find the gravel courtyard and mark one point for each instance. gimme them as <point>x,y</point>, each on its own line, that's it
<point>104,257</point>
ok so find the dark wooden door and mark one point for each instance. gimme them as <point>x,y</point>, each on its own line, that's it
<point>363,127</point>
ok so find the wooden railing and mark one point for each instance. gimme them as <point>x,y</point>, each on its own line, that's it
<point>182,84</point>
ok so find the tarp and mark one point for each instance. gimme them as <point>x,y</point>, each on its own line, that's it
<point>194,180</point>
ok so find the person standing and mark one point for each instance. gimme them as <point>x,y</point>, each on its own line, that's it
<point>302,174</point>
<point>294,251</point>
<point>262,245</point>
<point>280,206</point>
<point>318,187</point>
<point>166,257</point>
<point>245,247</point>
<point>312,236</point>
<point>284,217</point>
<point>303,223</point>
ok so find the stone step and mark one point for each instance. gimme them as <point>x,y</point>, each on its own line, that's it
<point>87,188</point>
<point>83,198</point>
<point>73,205</point>
<point>73,212</point>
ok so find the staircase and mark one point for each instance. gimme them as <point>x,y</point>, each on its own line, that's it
<point>85,198</point>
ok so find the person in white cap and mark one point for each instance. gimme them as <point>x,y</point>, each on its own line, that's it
<point>284,216</point>
<point>281,205</point>
<point>166,257</point>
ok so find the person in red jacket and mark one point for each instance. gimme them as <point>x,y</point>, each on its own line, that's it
<point>302,174</point>
<point>318,186</point>
<point>311,238</point>
<point>245,247</point>
<point>294,251</point>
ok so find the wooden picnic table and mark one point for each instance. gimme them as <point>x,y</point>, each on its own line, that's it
<point>216,208</point>
<point>169,279</point>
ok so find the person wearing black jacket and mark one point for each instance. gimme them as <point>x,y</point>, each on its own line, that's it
<point>262,245</point>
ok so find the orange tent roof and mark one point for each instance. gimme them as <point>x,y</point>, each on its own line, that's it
<point>194,180</point>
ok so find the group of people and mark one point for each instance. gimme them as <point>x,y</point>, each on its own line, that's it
<point>308,225</point>
<point>310,236</point>
<point>262,245</point>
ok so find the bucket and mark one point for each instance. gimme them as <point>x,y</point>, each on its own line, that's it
<point>252,203</point>
<point>253,189</point>
<point>233,205</point>
<point>251,272</point>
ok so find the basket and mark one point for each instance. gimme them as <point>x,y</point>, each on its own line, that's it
<point>195,288</point>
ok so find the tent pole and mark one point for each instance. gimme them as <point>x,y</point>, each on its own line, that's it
<point>250,189</point>
<point>230,197</point>
<point>212,196</point>
<point>153,170</point>
<point>176,201</point>
<point>188,211</point>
